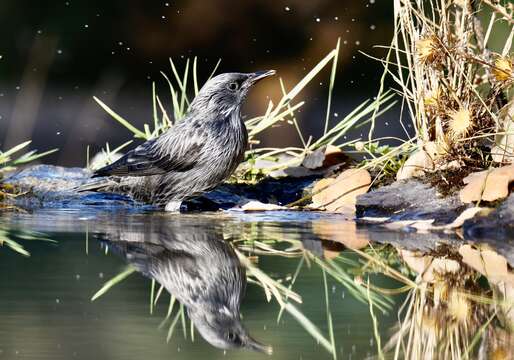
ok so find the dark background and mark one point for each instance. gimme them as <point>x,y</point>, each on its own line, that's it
<point>57,55</point>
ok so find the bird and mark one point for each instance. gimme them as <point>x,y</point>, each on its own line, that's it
<point>194,155</point>
<point>195,264</point>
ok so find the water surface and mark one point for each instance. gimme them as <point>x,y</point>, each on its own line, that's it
<point>47,311</point>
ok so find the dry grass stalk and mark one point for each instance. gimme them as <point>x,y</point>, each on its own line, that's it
<point>453,85</point>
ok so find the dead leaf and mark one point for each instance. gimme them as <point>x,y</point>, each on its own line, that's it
<point>340,194</point>
<point>314,160</point>
<point>418,162</point>
<point>325,157</point>
<point>255,205</point>
<point>466,215</point>
<point>334,156</point>
<point>488,185</point>
<point>344,232</point>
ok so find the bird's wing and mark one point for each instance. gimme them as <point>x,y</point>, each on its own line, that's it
<point>177,150</point>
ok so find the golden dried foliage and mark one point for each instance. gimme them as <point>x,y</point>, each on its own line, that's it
<point>454,83</point>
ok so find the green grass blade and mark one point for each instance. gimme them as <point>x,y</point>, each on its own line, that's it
<point>331,84</point>
<point>121,120</point>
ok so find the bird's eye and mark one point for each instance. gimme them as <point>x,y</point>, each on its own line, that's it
<point>233,86</point>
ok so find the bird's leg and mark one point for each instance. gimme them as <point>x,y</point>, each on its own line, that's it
<point>173,206</point>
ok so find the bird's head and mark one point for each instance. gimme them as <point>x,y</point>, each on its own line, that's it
<point>225,93</point>
<point>223,329</point>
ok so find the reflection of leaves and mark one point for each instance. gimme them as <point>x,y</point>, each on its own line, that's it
<point>342,232</point>
<point>488,263</point>
<point>428,266</point>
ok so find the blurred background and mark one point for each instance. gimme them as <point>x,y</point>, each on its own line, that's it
<point>56,55</point>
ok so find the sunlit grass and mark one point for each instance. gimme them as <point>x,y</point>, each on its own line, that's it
<point>283,113</point>
<point>451,64</point>
<point>9,159</point>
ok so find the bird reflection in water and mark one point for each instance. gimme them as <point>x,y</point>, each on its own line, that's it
<point>197,266</point>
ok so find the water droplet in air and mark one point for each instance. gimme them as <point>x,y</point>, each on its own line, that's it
<point>318,19</point>
<point>287,8</point>
<point>59,51</point>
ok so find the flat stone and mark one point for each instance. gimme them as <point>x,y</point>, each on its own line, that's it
<point>48,186</point>
<point>409,200</point>
<point>496,229</point>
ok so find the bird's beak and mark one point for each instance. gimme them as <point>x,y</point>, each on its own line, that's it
<point>254,345</point>
<point>259,75</point>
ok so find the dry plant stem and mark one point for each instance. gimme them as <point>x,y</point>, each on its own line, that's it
<point>500,10</point>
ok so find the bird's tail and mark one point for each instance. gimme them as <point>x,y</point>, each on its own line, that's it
<point>98,184</point>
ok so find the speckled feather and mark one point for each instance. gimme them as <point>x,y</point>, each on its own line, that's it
<point>193,156</point>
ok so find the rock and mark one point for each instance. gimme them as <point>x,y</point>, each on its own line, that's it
<point>54,187</point>
<point>409,200</point>
<point>47,186</point>
<point>496,229</point>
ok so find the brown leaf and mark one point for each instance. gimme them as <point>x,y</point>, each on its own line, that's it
<point>334,156</point>
<point>418,162</point>
<point>488,185</point>
<point>340,194</point>
<point>325,157</point>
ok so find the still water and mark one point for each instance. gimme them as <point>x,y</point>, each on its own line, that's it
<point>128,285</point>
